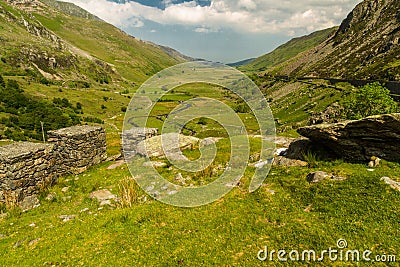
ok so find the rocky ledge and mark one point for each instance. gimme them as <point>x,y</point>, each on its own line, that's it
<point>359,140</point>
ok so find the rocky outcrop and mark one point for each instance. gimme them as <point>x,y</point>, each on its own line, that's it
<point>359,140</point>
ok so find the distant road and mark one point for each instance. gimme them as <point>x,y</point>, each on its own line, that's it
<point>393,86</point>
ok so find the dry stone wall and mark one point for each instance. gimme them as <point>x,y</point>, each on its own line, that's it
<point>24,169</point>
<point>79,147</point>
<point>27,167</point>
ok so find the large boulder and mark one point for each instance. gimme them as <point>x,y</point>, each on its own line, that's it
<point>359,140</point>
<point>170,142</point>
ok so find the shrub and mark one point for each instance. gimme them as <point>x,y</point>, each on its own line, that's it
<point>371,99</point>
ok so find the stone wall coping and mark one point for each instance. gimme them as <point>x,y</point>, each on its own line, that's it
<point>21,149</point>
<point>75,130</point>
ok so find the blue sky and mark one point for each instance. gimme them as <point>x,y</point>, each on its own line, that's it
<point>220,30</point>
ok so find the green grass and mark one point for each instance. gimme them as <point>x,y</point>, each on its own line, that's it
<point>228,232</point>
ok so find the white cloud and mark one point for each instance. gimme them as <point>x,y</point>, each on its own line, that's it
<point>205,30</point>
<point>289,17</point>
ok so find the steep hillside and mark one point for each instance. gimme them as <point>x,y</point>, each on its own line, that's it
<point>62,66</point>
<point>366,46</point>
<point>288,50</point>
<point>77,42</point>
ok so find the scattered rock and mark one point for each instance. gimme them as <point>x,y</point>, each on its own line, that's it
<point>284,161</point>
<point>393,184</point>
<point>65,189</point>
<point>32,225</point>
<point>66,218</point>
<point>272,192</point>
<point>281,151</point>
<point>358,140</point>
<point>114,157</point>
<point>209,141</point>
<point>308,208</point>
<point>105,202</point>
<point>258,164</point>
<point>374,162</point>
<point>29,202</point>
<point>282,140</point>
<point>34,242</point>
<point>103,196</point>
<point>51,196</point>
<point>2,236</point>
<point>370,170</point>
<point>318,176</point>
<point>329,115</point>
<point>19,243</point>
<point>83,210</point>
<point>3,215</point>
<point>155,164</point>
<point>116,165</point>
<point>66,198</point>
<point>179,179</point>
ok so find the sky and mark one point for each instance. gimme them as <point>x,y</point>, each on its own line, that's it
<point>220,30</point>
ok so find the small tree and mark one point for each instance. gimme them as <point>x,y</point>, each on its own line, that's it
<point>371,99</point>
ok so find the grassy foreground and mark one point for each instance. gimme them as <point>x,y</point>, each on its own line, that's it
<point>287,213</point>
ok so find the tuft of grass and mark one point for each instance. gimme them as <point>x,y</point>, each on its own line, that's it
<point>129,192</point>
<point>311,158</point>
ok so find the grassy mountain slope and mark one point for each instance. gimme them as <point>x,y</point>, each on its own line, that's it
<point>288,50</point>
<point>79,35</point>
<point>57,51</point>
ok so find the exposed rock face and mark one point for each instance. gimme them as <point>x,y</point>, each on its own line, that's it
<point>359,140</point>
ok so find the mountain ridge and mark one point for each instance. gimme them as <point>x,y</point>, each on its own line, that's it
<point>365,46</point>
<point>78,34</point>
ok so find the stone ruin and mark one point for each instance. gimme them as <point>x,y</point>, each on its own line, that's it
<point>132,137</point>
<point>27,167</point>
